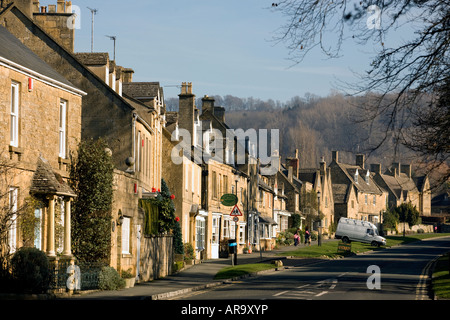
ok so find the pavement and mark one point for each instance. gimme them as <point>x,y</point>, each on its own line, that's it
<point>197,277</point>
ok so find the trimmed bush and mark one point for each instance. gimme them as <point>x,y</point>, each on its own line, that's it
<point>30,271</point>
<point>109,279</point>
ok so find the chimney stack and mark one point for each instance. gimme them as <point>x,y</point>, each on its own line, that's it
<point>406,169</point>
<point>323,166</point>
<point>207,104</point>
<point>360,159</point>
<point>376,167</point>
<point>294,163</point>
<point>186,108</point>
<point>396,168</point>
<point>335,157</point>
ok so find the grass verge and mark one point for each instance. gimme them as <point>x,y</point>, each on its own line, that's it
<point>441,278</point>
<point>329,249</point>
<point>240,270</point>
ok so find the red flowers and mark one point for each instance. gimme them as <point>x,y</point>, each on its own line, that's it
<point>153,189</point>
<point>172,197</point>
<point>177,219</point>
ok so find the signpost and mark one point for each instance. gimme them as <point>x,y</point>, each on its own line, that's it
<point>235,213</point>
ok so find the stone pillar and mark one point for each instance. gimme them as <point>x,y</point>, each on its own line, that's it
<point>67,235</point>
<point>51,227</point>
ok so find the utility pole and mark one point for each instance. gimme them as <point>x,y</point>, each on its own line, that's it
<point>114,39</point>
<point>93,12</point>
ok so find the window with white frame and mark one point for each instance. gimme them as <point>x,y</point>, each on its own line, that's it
<point>126,231</point>
<point>226,228</point>
<point>62,128</point>
<point>12,234</point>
<point>14,111</point>
<point>38,228</point>
<point>200,233</point>
<point>241,233</point>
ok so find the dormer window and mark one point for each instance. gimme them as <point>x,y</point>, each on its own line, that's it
<point>356,176</point>
<point>367,176</point>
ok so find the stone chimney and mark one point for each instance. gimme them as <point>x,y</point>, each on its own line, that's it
<point>294,163</point>
<point>335,156</point>
<point>127,75</point>
<point>323,166</point>
<point>360,159</point>
<point>207,104</point>
<point>55,20</point>
<point>186,108</point>
<point>406,169</point>
<point>396,168</point>
<point>375,167</point>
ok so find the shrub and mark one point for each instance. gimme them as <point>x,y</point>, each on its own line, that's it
<point>109,279</point>
<point>189,253</point>
<point>30,271</point>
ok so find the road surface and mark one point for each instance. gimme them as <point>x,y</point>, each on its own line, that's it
<point>398,273</point>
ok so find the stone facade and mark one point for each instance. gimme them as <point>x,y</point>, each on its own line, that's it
<point>44,111</point>
<point>403,187</point>
<point>357,195</point>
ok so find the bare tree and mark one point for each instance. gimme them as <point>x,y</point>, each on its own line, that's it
<point>406,82</point>
<point>10,209</point>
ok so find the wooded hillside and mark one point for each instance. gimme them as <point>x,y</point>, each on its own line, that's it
<point>314,125</point>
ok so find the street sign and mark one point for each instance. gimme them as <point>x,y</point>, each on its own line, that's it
<point>236,219</point>
<point>229,199</point>
<point>236,212</point>
<point>344,247</point>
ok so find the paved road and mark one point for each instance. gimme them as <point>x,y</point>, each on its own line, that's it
<point>399,273</point>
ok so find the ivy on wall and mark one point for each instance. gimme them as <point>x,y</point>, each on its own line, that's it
<point>160,216</point>
<point>91,177</point>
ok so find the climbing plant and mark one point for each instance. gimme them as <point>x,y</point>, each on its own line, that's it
<point>91,177</point>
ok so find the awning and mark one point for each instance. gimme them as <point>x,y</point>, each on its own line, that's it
<point>283,212</point>
<point>267,220</point>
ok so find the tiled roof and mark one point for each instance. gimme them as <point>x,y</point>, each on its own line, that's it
<point>13,50</point>
<point>46,181</point>
<point>93,58</point>
<point>141,89</point>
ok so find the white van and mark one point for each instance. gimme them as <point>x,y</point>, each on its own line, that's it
<point>357,230</point>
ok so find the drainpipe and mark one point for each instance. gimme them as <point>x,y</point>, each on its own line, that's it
<point>134,140</point>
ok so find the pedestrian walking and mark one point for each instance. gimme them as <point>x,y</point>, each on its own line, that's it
<point>296,239</point>
<point>307,236</point>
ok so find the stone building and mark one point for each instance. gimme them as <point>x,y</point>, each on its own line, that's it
<point>320,179</point>
<point>40,128</point>
<point>210,223</point>
<point>356,194</point>
<point>129,121</point>
<point>183,176</point>
<point>403,187</point>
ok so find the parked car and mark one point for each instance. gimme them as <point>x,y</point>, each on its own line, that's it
<point>358,230</point>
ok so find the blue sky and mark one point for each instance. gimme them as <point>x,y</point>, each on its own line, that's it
<point>222,47</point>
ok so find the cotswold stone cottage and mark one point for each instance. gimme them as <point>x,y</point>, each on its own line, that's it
<point>130,123</point>
<point>40,127</point>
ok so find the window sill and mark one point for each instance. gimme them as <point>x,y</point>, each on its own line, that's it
<point>63,160</point>
<point>16,150</point>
